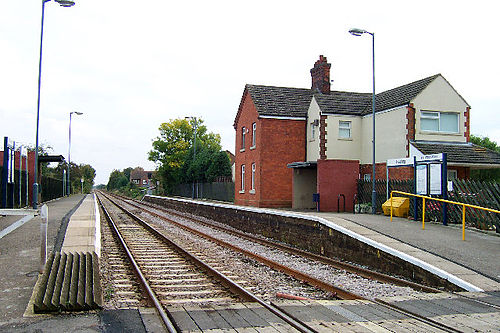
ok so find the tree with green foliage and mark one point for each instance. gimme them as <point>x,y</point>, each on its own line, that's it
<point>485,174</point>
<point>220,166</point>
<point>77,172</point>
<point>174,153</point>
<point>119,181</point>
<point>170,150</point>
<point>116,180</point>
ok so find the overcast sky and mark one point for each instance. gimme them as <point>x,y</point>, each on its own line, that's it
<point>131,65</point>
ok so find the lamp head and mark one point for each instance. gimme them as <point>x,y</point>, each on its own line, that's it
<point>78,113</point>
<point>65,3</point>
<point>357,32</point>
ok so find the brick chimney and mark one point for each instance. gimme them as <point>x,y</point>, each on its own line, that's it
<point>320,75</point>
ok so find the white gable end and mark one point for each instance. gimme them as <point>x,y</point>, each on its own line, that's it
<point>440,98</point>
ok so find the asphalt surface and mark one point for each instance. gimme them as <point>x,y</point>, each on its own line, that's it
<point>20,259</point>
<point>480,251</point>
<point>19,265</point>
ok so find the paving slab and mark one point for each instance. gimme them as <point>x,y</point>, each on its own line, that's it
<point>82,234</point>
<point>20,261</point>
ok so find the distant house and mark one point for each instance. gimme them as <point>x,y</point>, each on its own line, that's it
<point>141,178</point>
<point>293,142</point>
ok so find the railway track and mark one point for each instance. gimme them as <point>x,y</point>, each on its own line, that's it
<point>167,214</point>
<point>435,325</point>
<point>172,275</point>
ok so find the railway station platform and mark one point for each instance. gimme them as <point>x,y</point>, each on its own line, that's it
<point>70,228</point>
<point>472,263</point>
<point>83,234</point>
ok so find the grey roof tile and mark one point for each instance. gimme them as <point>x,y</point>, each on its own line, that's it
<point>341,102</point>
<point>294,102</point>
<point>280,101</point>
<point>400,95</point>
<point>459,152</point>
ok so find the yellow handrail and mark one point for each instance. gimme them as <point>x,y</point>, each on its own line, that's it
<point>447,201</point>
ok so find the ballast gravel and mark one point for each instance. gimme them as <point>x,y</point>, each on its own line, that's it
<point>268,281</point>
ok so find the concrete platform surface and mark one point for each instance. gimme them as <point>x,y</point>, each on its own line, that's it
<point>20,260</point>
<point>83,231</point>
<point>19,264</point>
<point>474,260</point>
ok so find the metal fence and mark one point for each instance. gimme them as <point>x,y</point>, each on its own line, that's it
<point>484,194</point>
<point>19,195</point>
<point>365,191</point>
<point>220,191</point>
<point>50,189</point>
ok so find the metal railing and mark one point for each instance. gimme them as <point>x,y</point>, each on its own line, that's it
<point>446,201</point>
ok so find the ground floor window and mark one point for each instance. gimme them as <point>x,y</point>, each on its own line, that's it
<point>242,178</point>
<point>253,178</point>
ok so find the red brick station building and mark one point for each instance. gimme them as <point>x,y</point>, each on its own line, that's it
<point>293,142</point>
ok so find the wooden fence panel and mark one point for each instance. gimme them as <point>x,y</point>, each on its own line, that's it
<point>484,194</point>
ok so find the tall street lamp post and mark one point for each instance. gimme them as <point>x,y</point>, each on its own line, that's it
<point>63,3</point>
<point>359,32</point>
<point>194,147</point>
<point>69,150</point>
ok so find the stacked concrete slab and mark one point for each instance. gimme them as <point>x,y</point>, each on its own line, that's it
<point>70,281</point>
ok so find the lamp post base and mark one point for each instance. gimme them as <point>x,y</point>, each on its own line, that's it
<point>35,195</point>
<point>374,202</point>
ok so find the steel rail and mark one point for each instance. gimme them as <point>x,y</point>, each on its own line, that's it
<point>159,308</point>
<point>339,292</point>
<point>366,273</point>
<point>377,301</point>
<point>233,286</point>
<point>417,286</point>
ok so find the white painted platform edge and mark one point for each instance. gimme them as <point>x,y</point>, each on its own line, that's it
<point>15,225</point>
<point>417,262</point>
<point>18,211</point>
<point>97,226</point>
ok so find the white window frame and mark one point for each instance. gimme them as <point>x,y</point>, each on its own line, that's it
<point>252,190</point>
<point>313,131</point>
<point>348,128</point>
<point>436,115</point>
<point>243,133</point>
<point>367,177</point>
<point>452,174</point>
<point>254,133</point>
<point>242,178</point>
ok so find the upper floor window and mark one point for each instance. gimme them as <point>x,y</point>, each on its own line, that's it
<point>314,126</point>
<point>435,121</point>
<point>243,133</point>
<point>254,132</point>
<point>344,129</point>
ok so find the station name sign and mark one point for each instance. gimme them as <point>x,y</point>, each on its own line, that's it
<point>410,160</point>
